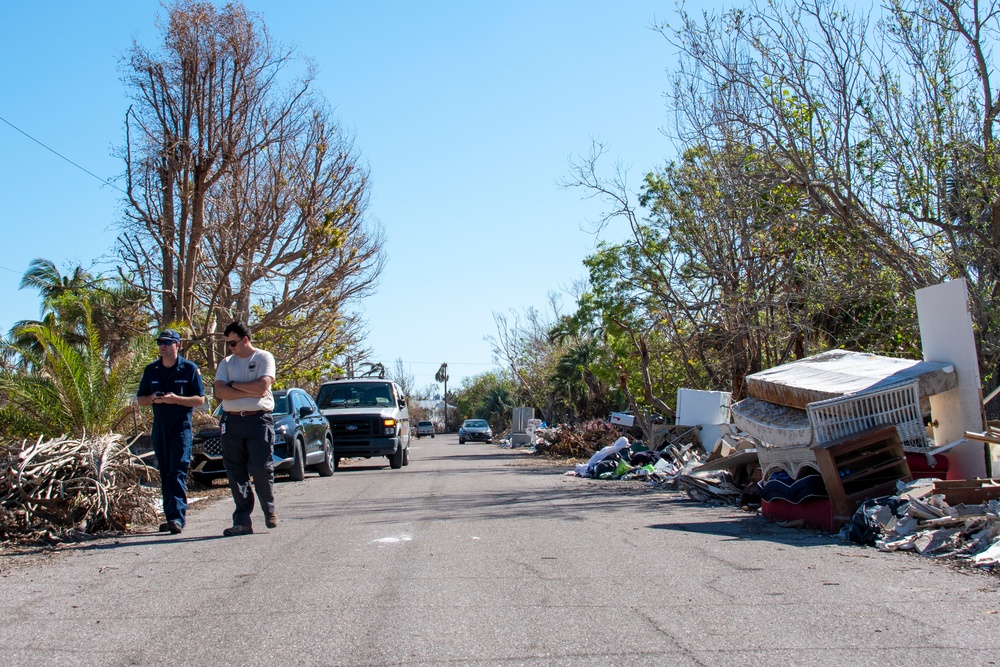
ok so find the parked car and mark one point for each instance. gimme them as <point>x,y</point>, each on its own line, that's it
<point>425,428</point>
<point>302,440</point>
<point>476,430</point>
<point>368,417</point>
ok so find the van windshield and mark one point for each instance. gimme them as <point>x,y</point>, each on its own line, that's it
<point>354,395</point>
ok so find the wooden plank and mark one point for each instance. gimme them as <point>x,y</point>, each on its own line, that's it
<point>982,437</point>
<point>968,491</point>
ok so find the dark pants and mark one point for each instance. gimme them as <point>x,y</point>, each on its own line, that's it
<point>172,446</point>
<point>248,451</point>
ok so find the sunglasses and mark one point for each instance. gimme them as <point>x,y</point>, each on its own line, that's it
<point>163,343</point>
<point>233,343</point>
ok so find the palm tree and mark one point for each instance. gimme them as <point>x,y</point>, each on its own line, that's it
<point>574,382</point>
<point>496,407</point>
<point>115,308</point>
<point>44,276</point>
<point>66,387</point>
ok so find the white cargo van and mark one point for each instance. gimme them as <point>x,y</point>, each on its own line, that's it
<point>368,417</point>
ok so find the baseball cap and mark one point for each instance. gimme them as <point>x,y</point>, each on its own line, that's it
<point>168,336</point>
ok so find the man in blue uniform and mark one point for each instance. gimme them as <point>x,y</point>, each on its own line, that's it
<point>172,385</point>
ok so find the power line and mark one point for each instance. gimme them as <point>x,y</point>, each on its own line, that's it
<point>57,153</point>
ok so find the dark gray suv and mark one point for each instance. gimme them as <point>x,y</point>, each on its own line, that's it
<point>302,440</point>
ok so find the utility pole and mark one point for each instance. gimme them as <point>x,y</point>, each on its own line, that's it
<point>442,376</point>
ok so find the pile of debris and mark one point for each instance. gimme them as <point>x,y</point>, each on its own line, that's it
<point>726,474</point>
<point>920,519</point>
<point>625,460</point>
<point>619,461</point>
<point>59,485</point>
<point>577,441</point>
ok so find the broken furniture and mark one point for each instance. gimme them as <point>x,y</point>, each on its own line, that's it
<point>861,466</point>
<point>817,514</point>
<point>947,335</point>
<point>797,405</point>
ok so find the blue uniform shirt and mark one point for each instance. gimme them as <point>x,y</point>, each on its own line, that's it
<point>183,379</point>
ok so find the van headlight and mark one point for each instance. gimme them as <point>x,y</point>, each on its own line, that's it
<point>390,426</point>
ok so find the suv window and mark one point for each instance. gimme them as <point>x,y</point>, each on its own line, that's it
<point>281,404</point>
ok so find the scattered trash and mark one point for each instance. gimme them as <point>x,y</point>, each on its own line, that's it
<point>918,519</point>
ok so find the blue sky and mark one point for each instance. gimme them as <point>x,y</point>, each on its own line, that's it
<point>466,113</point>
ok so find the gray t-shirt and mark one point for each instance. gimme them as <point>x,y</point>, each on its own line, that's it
<point>238,369</point>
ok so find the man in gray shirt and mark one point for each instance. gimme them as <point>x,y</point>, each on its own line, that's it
<point>243,383</point>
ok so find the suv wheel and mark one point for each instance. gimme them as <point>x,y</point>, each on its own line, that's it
<point>297,472</point>
<point>325,469</point>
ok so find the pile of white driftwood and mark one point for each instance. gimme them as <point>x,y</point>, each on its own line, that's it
<point>90,485</point>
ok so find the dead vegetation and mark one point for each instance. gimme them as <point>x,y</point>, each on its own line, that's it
<point>579,441</point>
<point>60,486</point>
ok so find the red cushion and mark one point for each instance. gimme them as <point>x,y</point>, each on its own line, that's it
<point>814,513</point>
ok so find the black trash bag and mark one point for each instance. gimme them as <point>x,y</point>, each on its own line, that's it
<point>609,464</point>
<point>643,459</point>
<point>751,495</point>
<point>863,528</point>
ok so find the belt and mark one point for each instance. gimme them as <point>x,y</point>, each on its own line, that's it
<point>248,413</point>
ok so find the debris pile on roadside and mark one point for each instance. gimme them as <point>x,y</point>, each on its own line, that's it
<point>620,461</point>
<point>725,474</point>
<point>920,519</point>
<point>577,441</point>
<point>666,468</point>
<point>62,485</point>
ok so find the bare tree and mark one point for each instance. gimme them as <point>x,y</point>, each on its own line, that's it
<point>398,374</point>
<point>884,127</point>
<point>522,344</point>
<point>246,201</point>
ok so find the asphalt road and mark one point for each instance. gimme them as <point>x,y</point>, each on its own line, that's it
<point>475,555</point>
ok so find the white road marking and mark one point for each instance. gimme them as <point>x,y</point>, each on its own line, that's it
<point>392,540</point>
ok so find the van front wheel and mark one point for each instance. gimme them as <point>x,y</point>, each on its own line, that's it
<point>396,460</point>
